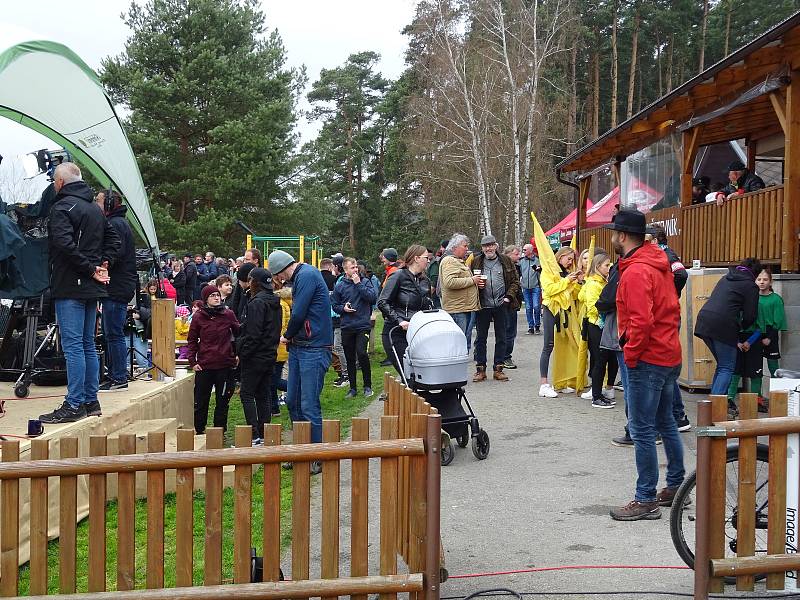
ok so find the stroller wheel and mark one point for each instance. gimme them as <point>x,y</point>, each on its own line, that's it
<point>463,440</point>
<point>21,390</point>
<point>480,445</point>
<point>448,453</point>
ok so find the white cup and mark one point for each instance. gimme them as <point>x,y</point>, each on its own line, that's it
<point>696,264</point>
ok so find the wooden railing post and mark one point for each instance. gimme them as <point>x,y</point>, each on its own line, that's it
<point>716,514</point>
<point>184,515</point>
<point>243,500</point>
<point>329,569</point>
<point>791,189</point>
<point>67,539</point>
<point>40,450</point>
<point>776,516</point>
<point>301,505</point>
<point>746,525</point>
<point>9,535</point>
<point>389,505</point>
<point>97,519</point>
<point>272,508</point>
<point>156,442</point>
<point>126,519</point>
<point>213,535</point>
<point>359,506</point>
<point>702,500</point>
<point>433,473</point>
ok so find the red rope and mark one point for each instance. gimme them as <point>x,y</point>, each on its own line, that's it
<point>564,568</point>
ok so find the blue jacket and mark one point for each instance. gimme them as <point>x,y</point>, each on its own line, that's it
<point>310,321</point>
<point>361,296</point>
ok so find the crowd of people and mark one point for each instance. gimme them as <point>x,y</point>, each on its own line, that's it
<point>600,314</point>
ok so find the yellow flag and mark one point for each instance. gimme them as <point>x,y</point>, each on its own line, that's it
<point>546,256</point>
<point>574,241</point>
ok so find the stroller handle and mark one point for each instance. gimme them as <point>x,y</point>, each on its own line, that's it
<point>397,359</point>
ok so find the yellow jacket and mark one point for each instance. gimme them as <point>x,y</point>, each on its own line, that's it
<point>558,293</point>
<point>590,292</point>
<point>285,294</point>
<point>181,329</point>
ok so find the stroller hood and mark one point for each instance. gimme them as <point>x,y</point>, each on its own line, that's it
<point>433,335</point>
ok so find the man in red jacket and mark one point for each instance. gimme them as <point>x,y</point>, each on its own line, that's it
<point>647,316</point>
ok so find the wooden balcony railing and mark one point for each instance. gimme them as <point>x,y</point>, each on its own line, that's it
<point>717,235</point>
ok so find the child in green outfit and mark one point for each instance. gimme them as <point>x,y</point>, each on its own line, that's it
<point>761,340</point>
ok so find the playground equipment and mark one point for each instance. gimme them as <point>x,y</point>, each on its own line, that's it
<point>296,245</point>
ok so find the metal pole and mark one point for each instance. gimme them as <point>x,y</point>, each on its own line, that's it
<point>702,493</point>
<point>433,469</point>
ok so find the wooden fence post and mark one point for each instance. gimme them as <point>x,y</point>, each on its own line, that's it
<point>746,525</point>
<point>702,500</point>
<point>213,535</point>
<point>776,516</point>
<point>243,508</point>
<point>156,441</point>
<point>716,518</point>
<point>330,507</point>
<point>433,474</point>
<point>184,515</point>
<point>272,508</point>
<point>9,536</point>
<point>126,519</point>
<point>68,500</point>
<point>98,446</point>
<point>389,504</point>
<point>301,506</point>
<point>40,450</point>
<point>359,507</point>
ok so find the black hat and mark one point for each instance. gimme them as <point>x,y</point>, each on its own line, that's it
<point>244,271</point>
<point>736,165</point>
<point>629,221</point>
<point>338,259</point>
<point>263,277</point>
<point>390,254</point>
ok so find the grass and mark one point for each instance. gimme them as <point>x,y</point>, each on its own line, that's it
<point>334,406</point>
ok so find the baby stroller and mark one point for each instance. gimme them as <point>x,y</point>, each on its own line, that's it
<point>435,366</point>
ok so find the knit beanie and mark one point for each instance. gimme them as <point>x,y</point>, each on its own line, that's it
<point>244,271</point>
<point>207,291</point>
<point>279,260</point>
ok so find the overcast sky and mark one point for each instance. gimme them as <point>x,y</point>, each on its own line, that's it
<point>316,33</point>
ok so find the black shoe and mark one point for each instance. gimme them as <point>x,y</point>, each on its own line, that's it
<point>351,394</point>
<point>624,441</point>
<point>316,467</point>
<point>341,382</point>
<point>683,424</point>
<point>537,330</point>
<point>113,386</point>
<point>66,413</point>
<point>386,362</point>
<point>93,408</point>
<point>531,331</point>
<point>276,412</point>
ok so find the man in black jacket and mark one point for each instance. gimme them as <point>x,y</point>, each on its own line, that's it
<point>257,349</point>
<point>191,278</point>
<point>121,289</point>
<point>82,247</point>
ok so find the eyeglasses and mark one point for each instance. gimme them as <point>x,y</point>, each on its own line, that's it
<point>426,258</point>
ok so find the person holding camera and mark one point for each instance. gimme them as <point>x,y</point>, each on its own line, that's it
<point>121,289</point>
<point>82,246</point>
<point>353,297</point>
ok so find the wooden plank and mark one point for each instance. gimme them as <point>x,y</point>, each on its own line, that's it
<point>97,519</point>
<point>9,534</point>
<point>330,507</point>
<point>243,509</point>
<point>776,491</point>
<point>779,106</point>
<point>791,212</point>
<point>40,450</point>
<point>68,501</point>
<point>212,574</point>
<point>156,441</point>
<point>162,319</point>
<point>716,521</point>
<point>417,495</point>
<point>126,519</point>
<point>272,507</point>
<point>359,506</point>
<point>746,524</point>
<point>389,505</point>
<point>184,515</point>
<point>301,506</point>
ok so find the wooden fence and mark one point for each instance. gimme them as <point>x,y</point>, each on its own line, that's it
<point>717,235</point>
<point>409,453</point>
<point>713,431</point>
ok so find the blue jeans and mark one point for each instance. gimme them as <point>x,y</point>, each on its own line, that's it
<point>464,320</point>
<point>511,330</point>
<point>485,316</point>
<point>77,321</point>
<point>650,395</point>
<point>307,367</point>
<point>139,350</point>
<point>677,403</point>
<point>725,355</point>
<point>114,317</point>
<point>533,306</point>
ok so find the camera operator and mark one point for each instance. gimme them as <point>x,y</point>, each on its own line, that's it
<point>82,246</point>
<point>121,289</point>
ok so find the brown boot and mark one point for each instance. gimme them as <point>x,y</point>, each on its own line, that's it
<point>498,374</point>
<point>480,375</point>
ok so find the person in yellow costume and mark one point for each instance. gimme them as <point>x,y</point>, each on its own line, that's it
<point>584,263</point>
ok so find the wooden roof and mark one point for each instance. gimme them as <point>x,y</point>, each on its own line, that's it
<point>714,88</point>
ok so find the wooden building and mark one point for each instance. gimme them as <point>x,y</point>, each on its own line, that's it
<point>752,95</point>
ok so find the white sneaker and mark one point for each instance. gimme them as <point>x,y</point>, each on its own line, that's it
<point>567,390</point>
<point>609,394</point>
<point>546,391</point>
<point>587,395</point>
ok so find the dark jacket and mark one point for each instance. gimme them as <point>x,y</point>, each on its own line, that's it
<point>210,339</point>
<point>80,239</point>
<point>749,182</point>
<point>679,274</point>
<point>207,272</point>
<point>124,279</point>
<point>191,281</point>
<point>310,322</point>
<point>178,281</point>
<point>731,308</point>
<point>648,312</point>
<point>510,277</point>
<point>361,297</point>
<point>237,301</point>
<point>260,332</point>
<point>403,295</point>
<point>607,302</point>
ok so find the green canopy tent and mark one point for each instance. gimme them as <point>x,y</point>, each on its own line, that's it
<point>46,87</point>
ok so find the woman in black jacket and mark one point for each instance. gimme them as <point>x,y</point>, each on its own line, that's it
<point>731,308</point>
<point>177,277</point>
<point>257,348</point>
<point>407,291</point>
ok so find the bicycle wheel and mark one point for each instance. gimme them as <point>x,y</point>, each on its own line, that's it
<point>682,515</point>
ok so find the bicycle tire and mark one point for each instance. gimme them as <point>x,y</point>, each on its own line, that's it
<point>679,507</point>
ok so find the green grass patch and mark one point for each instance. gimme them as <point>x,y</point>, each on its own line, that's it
<point>334,406</point>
